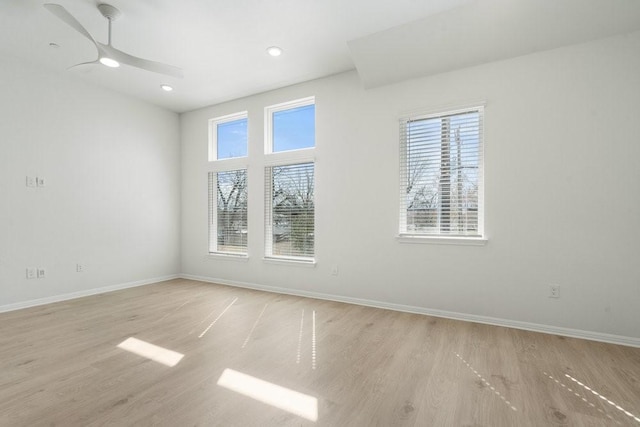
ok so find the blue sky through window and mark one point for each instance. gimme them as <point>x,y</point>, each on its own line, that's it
<point>294,129</point>
<point>232,139</point>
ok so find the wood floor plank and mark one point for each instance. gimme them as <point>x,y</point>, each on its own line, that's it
<point>64,364</point>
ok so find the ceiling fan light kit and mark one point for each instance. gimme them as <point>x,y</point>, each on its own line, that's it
<point>109,62</point>
<point>107,54</point>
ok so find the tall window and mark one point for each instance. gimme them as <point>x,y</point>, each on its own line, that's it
<point>228,227</point>
<point>228,218</point>
<point>290,180</point>
<point>441,174</point>
<point>290,210</point>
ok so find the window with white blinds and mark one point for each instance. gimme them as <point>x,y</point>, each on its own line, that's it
<point>228,212</point>
<point>290,211</point>
<point>441,174</point>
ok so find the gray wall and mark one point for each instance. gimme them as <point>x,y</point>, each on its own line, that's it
<point>562,192</point>
<point>112,195</point>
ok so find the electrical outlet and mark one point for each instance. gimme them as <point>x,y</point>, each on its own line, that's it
<point>40,181</point>
<point>79,268</point>
<point>334,270</point>
<point>42,273</point>
<point>31,181</point>
<point>554,291</point>
<point>31,273</point>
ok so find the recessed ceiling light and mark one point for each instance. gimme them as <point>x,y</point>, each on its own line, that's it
<point>166,88</point>
<point>274,51</point>
<point>109,62</point>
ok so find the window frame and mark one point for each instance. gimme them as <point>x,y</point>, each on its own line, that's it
<point>285,158</point>
<point>405,236</point>
<point>215,166</point>
<point>268,214</point>
<point>213,134</point>
<point>268,122</point>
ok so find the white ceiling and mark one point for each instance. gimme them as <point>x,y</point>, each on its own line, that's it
<point>220,44</point>
<point>484,31</point>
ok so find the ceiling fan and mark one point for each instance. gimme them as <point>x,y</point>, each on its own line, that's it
<point>107,54</point>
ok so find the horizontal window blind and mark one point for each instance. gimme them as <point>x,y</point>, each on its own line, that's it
<point>228,231</point>
<point>290,211</point>
<point>441,174</point>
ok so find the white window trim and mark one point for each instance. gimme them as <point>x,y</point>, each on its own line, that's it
<point>213,134</point>
<point>297,261</point>
<point>304,155</point>
<point>228,165</point>
<point>228,256</point>
<point>479,240</point>
<point>268,121</point>
<point>423,113</point>
<point>283,158</point>
<point>216,165</point>
<point>442,240</point>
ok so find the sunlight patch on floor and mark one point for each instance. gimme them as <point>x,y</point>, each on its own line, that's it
<point>150,351</point>
<point>294,402</point>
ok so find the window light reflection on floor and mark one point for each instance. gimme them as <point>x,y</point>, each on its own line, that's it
<point>277,396</point>
<point>581,397</point>
<point>150,351</point>
<point>300,338</point>
<point>487,383</point>
<point>255,324</point>
<point>217,318</point>
<point>615,405</point>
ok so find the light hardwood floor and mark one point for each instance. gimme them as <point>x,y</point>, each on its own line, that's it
<point>313,362</point>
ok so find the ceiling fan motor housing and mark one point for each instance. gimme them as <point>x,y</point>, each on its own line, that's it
<point>108,11</point>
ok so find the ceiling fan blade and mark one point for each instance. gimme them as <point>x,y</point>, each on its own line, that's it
<point>145,64</point>
<point>84,63</point>
<point>65,16</point>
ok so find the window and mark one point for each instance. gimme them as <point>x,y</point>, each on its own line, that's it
<point>441,174</point>
<point>290,210</point>
<point>228,231</point>
<point>228,137</point>
<point>290,126</point>
<point>228,211</point>
<point>290,180</point>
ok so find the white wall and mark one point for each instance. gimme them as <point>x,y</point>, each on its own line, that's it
<point>562,192</point>
<point>112,195</point>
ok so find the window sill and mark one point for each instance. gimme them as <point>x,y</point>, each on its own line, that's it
<point>442,240</point>
<point>228,256</point>
<point>299,262</point>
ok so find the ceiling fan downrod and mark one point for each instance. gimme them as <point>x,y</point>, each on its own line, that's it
<point>111,13</point>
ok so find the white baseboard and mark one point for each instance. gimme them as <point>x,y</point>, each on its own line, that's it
<point>84,293</point>
<point>516,324</point>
